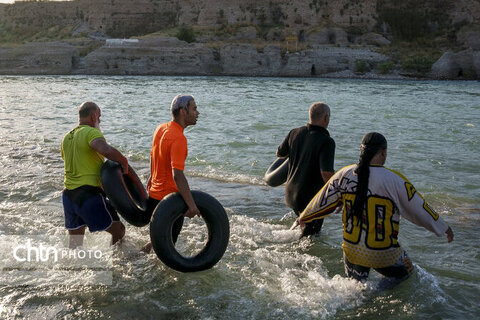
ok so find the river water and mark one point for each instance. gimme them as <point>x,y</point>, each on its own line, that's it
<point>433,131</point>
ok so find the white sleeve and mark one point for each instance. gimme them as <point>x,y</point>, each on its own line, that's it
<point>413,207</point>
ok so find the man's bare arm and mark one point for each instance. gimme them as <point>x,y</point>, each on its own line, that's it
<point>109,152</point>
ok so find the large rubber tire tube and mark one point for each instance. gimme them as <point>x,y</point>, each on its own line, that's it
<point>168,211</point>
<point>276,174</point>
<point>126,193</point>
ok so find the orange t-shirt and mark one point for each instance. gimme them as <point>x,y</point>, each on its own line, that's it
<point>169,151</point>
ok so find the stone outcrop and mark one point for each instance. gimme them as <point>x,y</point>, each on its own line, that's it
<point>252,62</point>
<point>461,65</point>
<point>338,36</point>
<point>159,56</point>
<point>38,58</point>
<point>246,33</point>
<point>276,34</point>
<point>293,14</point>
<point>374,39</point>
<point>469,39</point>
<point>327,36</point>
<point>170,56</point>
<point>324,60</point>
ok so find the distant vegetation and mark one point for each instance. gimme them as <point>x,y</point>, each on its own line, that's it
<point>186,34</point>
<point>9,34</point>
<point>418,64</point>
<point>411,19</point>
<point>385,67</point>
<point>361,66</point>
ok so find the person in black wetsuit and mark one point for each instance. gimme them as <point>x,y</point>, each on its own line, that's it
<point>310,151</point>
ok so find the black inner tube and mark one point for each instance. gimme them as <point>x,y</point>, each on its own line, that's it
<point>168,211</point>
<point>277,173</point>
<point>126,193</point>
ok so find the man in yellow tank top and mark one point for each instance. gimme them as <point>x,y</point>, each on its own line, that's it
<point>83,150</point>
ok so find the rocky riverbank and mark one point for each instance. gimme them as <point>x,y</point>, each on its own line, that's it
<point>170,56</point>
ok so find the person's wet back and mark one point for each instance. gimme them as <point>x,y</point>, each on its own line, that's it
<point>310,151</point>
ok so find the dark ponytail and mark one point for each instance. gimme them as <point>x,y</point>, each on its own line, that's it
<point>372,143</point>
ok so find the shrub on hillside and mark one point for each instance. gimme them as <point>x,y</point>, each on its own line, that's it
<point>469,73</point>
<point>385,67</point>
<point>418,64</point>
<point>186,34</point>
<point>407,24</point>
<point>411,19</point>
<point>361,66</point>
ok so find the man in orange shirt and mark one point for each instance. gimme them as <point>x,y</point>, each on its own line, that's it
<point>168,154</point>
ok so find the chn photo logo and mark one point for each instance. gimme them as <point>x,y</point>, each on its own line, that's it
<point>38,260</point>
<point>44,253</point>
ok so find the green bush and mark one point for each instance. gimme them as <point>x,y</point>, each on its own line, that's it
<point>418,64</point>
<point>361,66</point>
<point>469,74</point>
<point>411,19</point>
<point>186,34</point>
<point>385,67</point>
<point>407,24</point>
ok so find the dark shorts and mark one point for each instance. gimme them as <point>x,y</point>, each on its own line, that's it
<point>87,206</point>
<point>399,270</point>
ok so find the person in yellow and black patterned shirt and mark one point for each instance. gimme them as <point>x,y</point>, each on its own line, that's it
<point>373,199</point>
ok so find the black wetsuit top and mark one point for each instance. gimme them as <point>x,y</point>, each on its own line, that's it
<point>310,149</point>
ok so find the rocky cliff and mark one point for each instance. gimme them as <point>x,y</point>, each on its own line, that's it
<point>243,37</point>
<point>125,18</point>
<point>38,58</point>
<point>170,56</point>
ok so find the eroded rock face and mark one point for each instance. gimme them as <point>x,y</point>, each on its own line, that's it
<point>324,60</point>
<point>38,58</point>
<point>125,18</point>
<point>245,60</point>
<point>170,56</point>
<point>327,36</point>
<point>469,39</point>
<point>158,56</point>
<point>374,39</point>
<point>476,63</point>
<point>246,33</point>
<point>445,67</point>
<point>276,34</point>
<point>167,56</point>
<point>461,65</point>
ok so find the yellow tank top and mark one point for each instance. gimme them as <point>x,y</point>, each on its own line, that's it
<point>82,163</point>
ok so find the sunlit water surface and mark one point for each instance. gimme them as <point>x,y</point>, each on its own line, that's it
<point>266,273</point>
